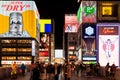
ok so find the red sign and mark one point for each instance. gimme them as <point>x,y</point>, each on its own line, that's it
<point>15,6</point>
<point>43,54</point>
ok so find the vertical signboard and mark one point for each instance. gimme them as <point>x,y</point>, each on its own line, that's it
<point>44,45</point>
<point>89,11</point>
<point>88,43</point>
<point>33,48</point>
<point>108,44</point>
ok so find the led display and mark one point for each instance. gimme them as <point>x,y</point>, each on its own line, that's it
<point>44,42</point>
<point>44,45</point>
<point>88,42</point>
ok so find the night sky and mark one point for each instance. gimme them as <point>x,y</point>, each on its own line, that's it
<point>56,9</point>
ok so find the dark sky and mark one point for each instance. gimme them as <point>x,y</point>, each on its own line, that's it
<point>56,9</point>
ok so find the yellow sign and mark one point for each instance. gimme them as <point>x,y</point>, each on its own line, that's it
<point>107,10</point>
<point>45,25</point>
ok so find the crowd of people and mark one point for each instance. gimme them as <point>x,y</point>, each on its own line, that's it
<point>49,71</point>
<point>110,71</point>
<point>43,71</point>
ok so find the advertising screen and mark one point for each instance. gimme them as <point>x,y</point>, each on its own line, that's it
<point>88,42</point>
<point>71,23</point>
<point>89,11</point>
<point>18,19</point>
<point>44,44</point>
<point>108,44</point>
<point>45,26</point>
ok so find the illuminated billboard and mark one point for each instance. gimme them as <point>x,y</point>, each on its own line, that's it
<point>58,53</point>
<point>19,19</point>
<point>43,54</point>
<point>89,11</point>
<point>71,23</point>
<point>44,44</point>
<point>88,42</point>
<point>108,43</point>
<point>45,26</point>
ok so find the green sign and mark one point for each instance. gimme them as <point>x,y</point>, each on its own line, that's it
<point>89,10</point>
<point>79,13</point>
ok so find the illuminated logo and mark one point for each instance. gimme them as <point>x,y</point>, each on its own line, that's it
<point>45,26</point>
<point>89,10</point>
<point>89,30</point>
<point>15,6</point>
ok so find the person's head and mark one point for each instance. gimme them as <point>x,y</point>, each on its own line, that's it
<point>108,63</point>
<point>22,63</point>
<point>14,62</point>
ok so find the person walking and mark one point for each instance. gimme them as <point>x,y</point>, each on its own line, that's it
<point>23,67</point>
<point>36,72</point>
<point>14,70</point>
<point>69,72</point>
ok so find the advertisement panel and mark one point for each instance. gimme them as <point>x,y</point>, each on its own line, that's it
<point>44,54</point>
<point>89,11</point>
<point>19,19</point>
<point>45,26</point>
<point>108,44</point>
<point>88,42</point>
<point>44,44</point>
<point>71,23</point>
<point>58,53</point>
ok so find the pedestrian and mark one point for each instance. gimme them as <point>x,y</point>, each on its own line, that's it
<point>113,70</point>
<point>36,72</point>
<point>23,67</point>
<point>97,68</point>
<point>14,70</point>
<point>56,71</point>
